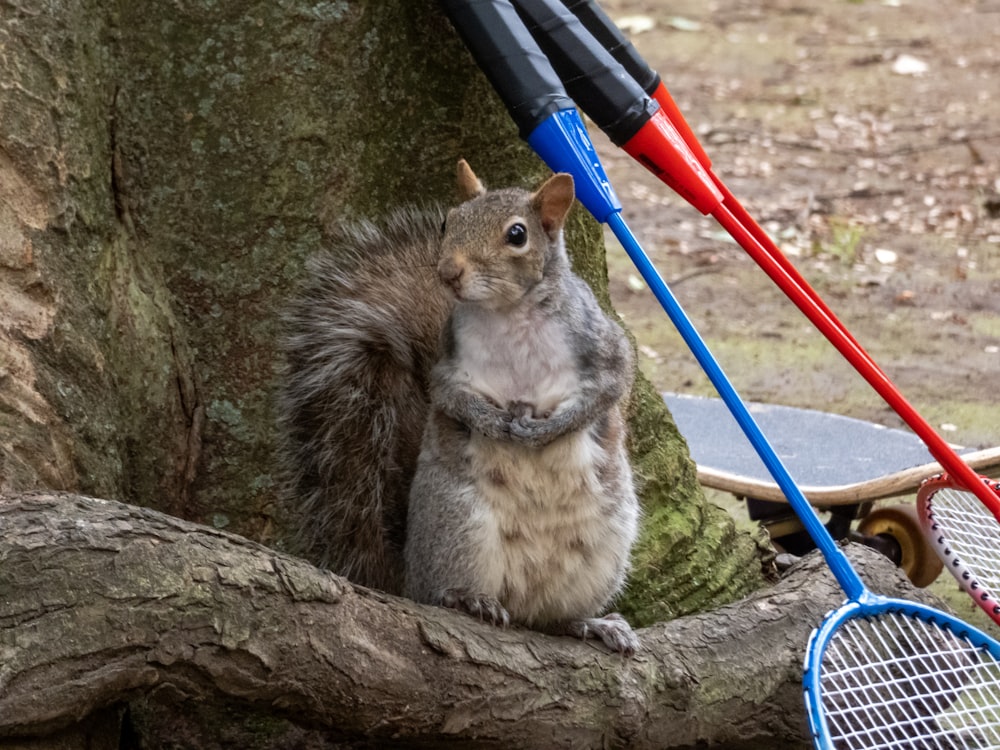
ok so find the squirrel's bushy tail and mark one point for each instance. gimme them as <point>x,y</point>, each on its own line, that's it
<point>362,334</point>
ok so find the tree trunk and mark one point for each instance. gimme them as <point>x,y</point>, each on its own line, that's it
<point>164,170</point>
<point>204,639</point>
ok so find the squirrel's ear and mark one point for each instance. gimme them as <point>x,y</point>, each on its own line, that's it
<point>553,201</point>
<point>469,185</point>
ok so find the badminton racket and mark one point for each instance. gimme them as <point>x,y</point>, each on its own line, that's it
<point>964,537</point>
<point>880,672</point>
<point>581,60</point>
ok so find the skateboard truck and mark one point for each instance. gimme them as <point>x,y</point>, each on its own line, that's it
<point>788,533</point>
<point>785,529</point>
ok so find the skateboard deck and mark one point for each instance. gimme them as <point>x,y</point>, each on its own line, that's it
<point>835,460</point>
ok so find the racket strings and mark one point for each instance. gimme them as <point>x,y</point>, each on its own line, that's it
<point>971,532</point>
<point>897,681</point>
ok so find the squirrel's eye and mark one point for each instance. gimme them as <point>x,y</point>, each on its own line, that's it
<point>517,235</point>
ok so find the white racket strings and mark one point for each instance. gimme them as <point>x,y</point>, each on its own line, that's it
<point>899,682</point>
<point>971,532</point>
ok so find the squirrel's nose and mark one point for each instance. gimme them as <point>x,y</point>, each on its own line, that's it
<point>451,272</point>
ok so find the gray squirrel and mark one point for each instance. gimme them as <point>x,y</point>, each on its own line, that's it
<point>453,412</point>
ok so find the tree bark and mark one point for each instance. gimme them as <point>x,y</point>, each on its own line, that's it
<point>201,638</point>
<point>165,168</point>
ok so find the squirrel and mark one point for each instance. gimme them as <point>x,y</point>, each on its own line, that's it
<point>454,415</point>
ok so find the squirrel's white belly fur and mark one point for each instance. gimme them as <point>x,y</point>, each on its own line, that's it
<point>518,358</point>
<point>552,543</point>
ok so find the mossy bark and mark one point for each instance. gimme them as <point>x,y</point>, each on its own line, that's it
<point>164,170</point>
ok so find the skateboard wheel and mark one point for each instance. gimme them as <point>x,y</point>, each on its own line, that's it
<point>899,522</point>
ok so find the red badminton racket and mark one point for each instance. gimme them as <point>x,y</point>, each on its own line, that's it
<point>964,537</point>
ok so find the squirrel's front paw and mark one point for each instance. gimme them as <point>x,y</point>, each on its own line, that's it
<point>535,433</point>
<point>478,605</point>
<point>526,430</point>
<point>523,426</point>
<point>520,410</point>
<point>489,420</point>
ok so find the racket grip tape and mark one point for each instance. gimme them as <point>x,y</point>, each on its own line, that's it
<point>617,104</point>
<point>605,31</point>
<point>534,96</point>
<point>511,59</point>
<point>597,82</point>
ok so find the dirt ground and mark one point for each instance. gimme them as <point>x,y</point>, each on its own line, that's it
<point>865,136</point>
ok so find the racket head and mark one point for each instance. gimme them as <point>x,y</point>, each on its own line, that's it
<point>888,673</point>
<point>966,536</point>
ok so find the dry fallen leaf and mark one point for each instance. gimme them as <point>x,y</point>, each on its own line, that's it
<point>908,65</point>
<point>635,283</point>
<point>636,24</point>
<point>683,24</point>
<point>648,351</point>
<point>885,257</point>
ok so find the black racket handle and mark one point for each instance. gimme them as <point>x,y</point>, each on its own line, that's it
<point>597,82</point>
<point>604,30</point>
<point>510,57</point>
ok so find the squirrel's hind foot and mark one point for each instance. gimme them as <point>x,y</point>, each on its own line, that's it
<point>478,605</point>
<point>613,629</point>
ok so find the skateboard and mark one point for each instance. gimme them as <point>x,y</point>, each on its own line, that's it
<point>841,464</point>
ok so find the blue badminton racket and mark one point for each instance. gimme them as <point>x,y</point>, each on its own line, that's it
<point>879,672</point>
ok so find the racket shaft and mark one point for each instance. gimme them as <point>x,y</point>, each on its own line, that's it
<point>835,559</point>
